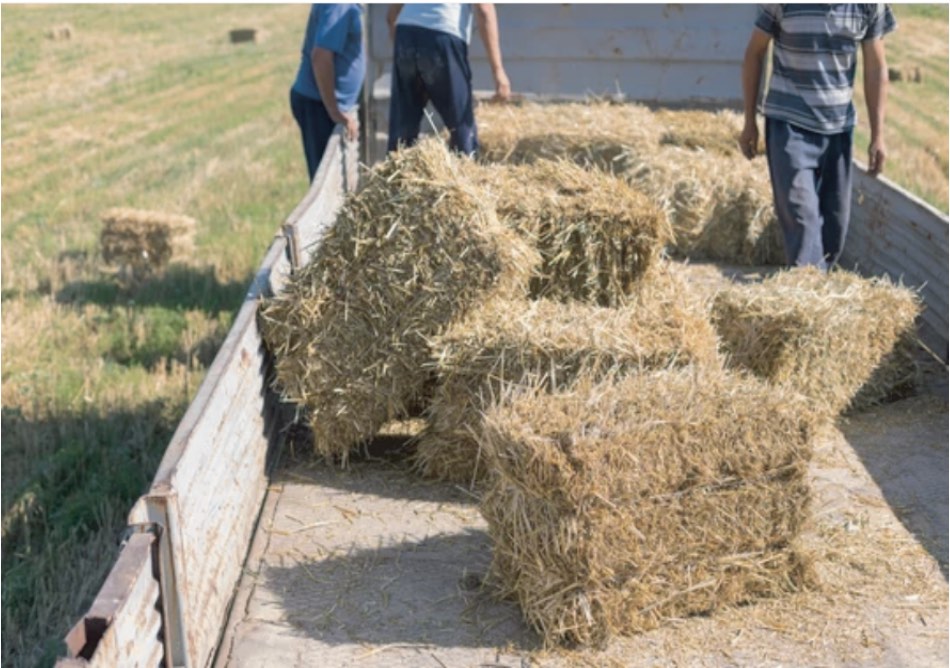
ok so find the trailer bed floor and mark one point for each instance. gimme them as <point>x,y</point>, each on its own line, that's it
<point>374,566</point>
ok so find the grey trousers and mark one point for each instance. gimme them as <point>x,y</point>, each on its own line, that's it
<point>811,185</point>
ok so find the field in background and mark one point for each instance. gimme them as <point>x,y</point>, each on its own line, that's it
<point>916,118</point>
<point>142,106</point>
<point>152,107</point>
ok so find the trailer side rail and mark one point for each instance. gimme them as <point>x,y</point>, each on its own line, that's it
<point>166,600</point>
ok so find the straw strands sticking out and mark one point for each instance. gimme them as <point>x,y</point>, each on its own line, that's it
<point>843,340</point>
<point>597,236</point>
<point>412,251</point>
<point>144,240</point>
<point>718,204</point>
<point>547,342</point>
<point>614,506</point>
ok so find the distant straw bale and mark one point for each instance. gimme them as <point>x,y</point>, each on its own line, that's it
<point>840,339</point>
<point>719,204</point>
<point>520,343</point>
<point>597,235</point>
<point>144,241</point>
<point>61,32</point>
<point>413,250</point>
<point>618,505</point>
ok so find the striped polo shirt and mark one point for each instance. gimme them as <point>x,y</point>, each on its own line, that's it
<point>814,57</point>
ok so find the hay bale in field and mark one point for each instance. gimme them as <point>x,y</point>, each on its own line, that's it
<point>61,32</point>
<point>597,235</point>
<point>413,250</point>
<point>840,339</point>
<point>520,343</point>
<point>144,241</point>
<point>617,505</point>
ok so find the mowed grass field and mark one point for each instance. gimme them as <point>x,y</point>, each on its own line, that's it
<point>151,107</point>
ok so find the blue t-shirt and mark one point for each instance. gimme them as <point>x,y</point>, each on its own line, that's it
<point>337,28</point>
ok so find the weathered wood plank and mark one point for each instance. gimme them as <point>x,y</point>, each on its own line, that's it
<point>123,625</point>
<point>895,233</point>
<point>654,52</point>
<point>215,467</point>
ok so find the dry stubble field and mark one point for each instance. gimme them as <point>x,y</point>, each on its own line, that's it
<point>152,107</point>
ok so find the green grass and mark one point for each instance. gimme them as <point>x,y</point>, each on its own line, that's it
<point>134,110</point>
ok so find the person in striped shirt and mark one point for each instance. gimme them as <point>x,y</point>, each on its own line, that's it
<point>810,115</point>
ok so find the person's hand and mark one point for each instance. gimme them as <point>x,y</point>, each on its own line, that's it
<point>502,87</point>
<point>749,139</point>
<point>877,154</point>
<point>351,126</point>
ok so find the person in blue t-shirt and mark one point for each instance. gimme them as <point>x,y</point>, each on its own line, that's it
<point>332,67</point>
<point>430,63</point>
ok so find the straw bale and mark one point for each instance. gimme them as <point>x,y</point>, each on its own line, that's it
<point>616,505</point>
<point>518,342</point>
<point>144,240</point>
<point>595,133</point>
<point>413,250</point>
<point>718,203</point>
<point>714,131</point>
<point>840,339</point>
<point>596,234</point>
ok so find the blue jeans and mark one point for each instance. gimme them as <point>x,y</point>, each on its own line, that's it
<point>811,185</point>
<point>316,126</point>
<point>429,65</point>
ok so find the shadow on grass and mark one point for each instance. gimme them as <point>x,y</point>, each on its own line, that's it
<point>180,286</point>
<point>72,478</point>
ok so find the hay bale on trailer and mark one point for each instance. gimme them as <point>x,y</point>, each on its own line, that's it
<point>840,339</point>
<point>718,204</point>
<point>596,133</point>
<point>597,235</point>
<point>615,506</point>
<point>143,241</point>
<point>415,249</point>
<point>545,342</point>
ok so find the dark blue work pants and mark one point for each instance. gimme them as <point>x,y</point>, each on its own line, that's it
<point>430,65</point>
<point>811,185</point>
<point>316,126</point>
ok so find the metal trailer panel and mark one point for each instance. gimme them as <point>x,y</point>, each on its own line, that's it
<point>207,494</point>
<point>895,233</point>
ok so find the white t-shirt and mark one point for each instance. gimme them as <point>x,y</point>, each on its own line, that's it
<point>451,17</point>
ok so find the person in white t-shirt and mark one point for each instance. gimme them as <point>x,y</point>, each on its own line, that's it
<point>430,64</point>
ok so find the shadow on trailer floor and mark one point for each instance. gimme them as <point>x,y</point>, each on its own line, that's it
<point>374,566</point>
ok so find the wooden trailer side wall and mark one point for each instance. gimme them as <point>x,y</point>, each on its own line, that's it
<point>895,233</point>
<point>206,496</point>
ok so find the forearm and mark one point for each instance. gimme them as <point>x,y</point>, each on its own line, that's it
<point>325,74</point>
<point>487,21</point>
<point>875,93</point>
<point>392,15</point>
<point>751,78</point>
